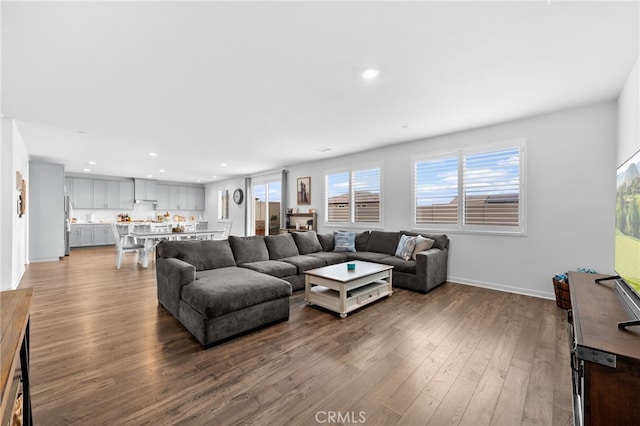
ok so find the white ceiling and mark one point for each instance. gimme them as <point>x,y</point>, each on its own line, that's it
<point>263,85</point>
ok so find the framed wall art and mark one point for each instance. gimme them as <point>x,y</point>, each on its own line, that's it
<point>303,190</point>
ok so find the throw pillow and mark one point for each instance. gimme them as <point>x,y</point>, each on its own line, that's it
<point>405,247</point>
<point>307,242</point>
<point>344,241</point>
<point>422,244</point>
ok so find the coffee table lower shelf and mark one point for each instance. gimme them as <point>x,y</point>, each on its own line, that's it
<point>343,297</point>
<point>330,299</point>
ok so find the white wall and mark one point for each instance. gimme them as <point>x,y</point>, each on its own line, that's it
<point>236,212</point>
<point>570,190</point>
<point>629,116</point>
<point>46,220</point>
<point>13,230</point>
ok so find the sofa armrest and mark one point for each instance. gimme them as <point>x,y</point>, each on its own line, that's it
<point>431,268</point>
<point>172,274</point>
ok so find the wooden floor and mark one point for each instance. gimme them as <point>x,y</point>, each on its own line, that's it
<point>104,352</point>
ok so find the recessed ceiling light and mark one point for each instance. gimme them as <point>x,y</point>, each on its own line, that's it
<point>223,165</point>
<point>370,73</point>
<point>149,176</point>
<point>161,170</point>
<point>86,170</point>
<point>211,177</point>
<point>197,180</point>
<point>153,154</point>
<point>92,163</point>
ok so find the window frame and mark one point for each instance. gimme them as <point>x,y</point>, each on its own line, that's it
<point>351,223</point>
<point>461,154</point>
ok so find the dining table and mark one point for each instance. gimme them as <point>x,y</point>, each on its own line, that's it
<point>151,238</point>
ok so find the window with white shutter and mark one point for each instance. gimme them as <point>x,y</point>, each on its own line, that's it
<point>353,196</point>
<point>472,190</point>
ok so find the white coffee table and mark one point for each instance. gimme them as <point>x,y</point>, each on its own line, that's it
<point>336,288</point>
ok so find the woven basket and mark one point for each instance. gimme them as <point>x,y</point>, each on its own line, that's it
<point>563,296</point>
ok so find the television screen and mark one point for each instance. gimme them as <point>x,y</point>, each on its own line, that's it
<point>627,243</point>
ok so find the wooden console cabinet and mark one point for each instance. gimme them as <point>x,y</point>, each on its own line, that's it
<point>15,307</point>
<point>605,360</point>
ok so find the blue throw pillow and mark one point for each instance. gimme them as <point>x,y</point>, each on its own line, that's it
<point>405,247</point>
<point>344,241</point>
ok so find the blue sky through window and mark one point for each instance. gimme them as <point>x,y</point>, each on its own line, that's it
<point>487,173</point>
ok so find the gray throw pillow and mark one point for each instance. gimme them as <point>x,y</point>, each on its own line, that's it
<point>281,246</point>
<point>307,242</point>
<point>249,249</point>
<point>326,241</point>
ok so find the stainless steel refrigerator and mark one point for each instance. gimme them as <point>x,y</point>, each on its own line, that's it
<point>67,224</point>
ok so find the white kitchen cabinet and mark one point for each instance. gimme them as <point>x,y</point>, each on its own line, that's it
<point>86,235</point>
<point>164,193</point>
<point>68,187</point>
<point>195,198</point>
<point>178,197</point>
<point>113,194</point>
<point>74,237</point>
<point>127,197</point>
<point>146,189</point>
<point>99,194</point>
<point>82,193</point>
<point>101,234</point>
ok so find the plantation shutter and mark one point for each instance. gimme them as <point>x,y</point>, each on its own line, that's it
<point>338,199</point>
<point>436,191</point>
<point>491,182</point>
<point>365,185</point>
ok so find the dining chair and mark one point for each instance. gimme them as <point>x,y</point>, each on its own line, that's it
<point>123,246</point>
<point>225,232</point>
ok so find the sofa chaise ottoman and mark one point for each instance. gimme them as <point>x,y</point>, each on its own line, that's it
<point>200,284</point>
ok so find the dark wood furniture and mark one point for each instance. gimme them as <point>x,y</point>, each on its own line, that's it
<point>15,307</point>
<point>605,360</point>
<point>303,219</point>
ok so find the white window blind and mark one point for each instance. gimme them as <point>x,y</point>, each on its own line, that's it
<point>436,194</point>
<point>491,182</point>
<point>223,204</point>
<point>338,197</point>
<point>366,195</point>
<point>475,190</point>
<point>354,196</point>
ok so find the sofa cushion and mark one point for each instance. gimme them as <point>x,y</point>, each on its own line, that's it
<point>362,239</point>
<point>422,244</point>
<point>209,254</point>
<point>400,265</point>
<point>219,291</point>
<point>326,241</point>
<point>280,246</point>
<point>249,249</point>
<point>383,242</point>
<point>275,268</point>
<point>305,262</point>
<point>441,240</point>
<point>331,257</point>
<point>406,247</point>
<point>307,242</point>
<point>344,241</point>
<point>367,256</point>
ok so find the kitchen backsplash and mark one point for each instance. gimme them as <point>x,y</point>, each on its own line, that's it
<point>139,212</point>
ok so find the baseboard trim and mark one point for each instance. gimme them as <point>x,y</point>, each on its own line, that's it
<point>505,288</point>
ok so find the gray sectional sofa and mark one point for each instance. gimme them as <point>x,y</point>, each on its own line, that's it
<point>219,289</point>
